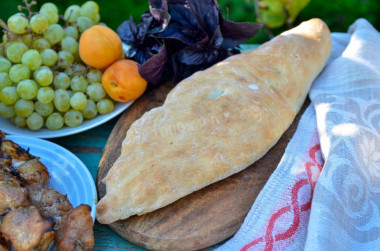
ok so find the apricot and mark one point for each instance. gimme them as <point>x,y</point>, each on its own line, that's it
<point>99,47</point>
<point>123,82</point>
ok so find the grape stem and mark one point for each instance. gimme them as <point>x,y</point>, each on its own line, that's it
<point>28,6</point>
<point>10,35</point>
<point>73,73</point>
<point>67,22</point>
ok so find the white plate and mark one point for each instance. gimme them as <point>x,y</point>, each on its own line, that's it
<point>68,173</point>
<point>7,126</point>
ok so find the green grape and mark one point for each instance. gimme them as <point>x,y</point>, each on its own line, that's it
<point>27,39</point>
<point>94,76</point>
<point>32,59</point>
<point>54,121</point>
<point>8,95</point>
<point>19,72</point>
<point>90,110</point>
<point>54,34</point>
<point>104,106</point>
<point>20,122</point>
<point>50,11</point>
<point>45,95</point>
<point>18,23</point>
<point>6,111</point>
<point>78,101</point>
<point>15,50</point>
<point>90,9</point>
<point>78,84</point>
<point>96,18</point>
<point>44,109</point>
<point>44,77</point>
<point>71,31</point>
<point>96,92</point>
<point>5,65</point>
<point>62,81</point>
<point>35,121</point>
<point>39,23</point>
<point>73,118</point>
<point>62,100</point>
<point>72,13</point>
<point>69,44</point>
<point>5,80</point>
<point>40,44</point>
<point>49,57</point>
<point>50,6</point>
<point>36,71</point>
<point>27,89</point>
<point>5,38</point>
<point>23,108</point>
<point>84,23</point>
<point>65,59</point>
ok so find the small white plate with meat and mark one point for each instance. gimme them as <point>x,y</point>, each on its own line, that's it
<point>47,196</point>
<point>68,174</point>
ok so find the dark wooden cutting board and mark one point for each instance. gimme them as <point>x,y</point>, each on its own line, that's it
<point>203,218</point>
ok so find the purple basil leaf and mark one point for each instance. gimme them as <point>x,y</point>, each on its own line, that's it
<point>217,39</point>
<point>191,55</point>
<point>127,31</point>
<point>183,15</point>
<point>153,68</point>
<point>195,55</point>
<point>154,45</point>
<point>175,68</point>
<point>161,16</point>
<point>206,14</point>
<point>143,26</point>
<point>237,33</point>
<point>159,4</point>
<point>173,31</point>
<point>159,10</point>
<point>183,25</point>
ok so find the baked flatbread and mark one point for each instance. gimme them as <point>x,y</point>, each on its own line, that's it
<point>215,123</point>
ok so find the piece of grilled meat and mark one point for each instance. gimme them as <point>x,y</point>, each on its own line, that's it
<point>4,245</point>
<point>9,149</point>
<point>51,203</point>
<point>18,161</point>
<point>12,195</point>
<point>33,173</point>
<point>24,227</point>
<point>75,231</point>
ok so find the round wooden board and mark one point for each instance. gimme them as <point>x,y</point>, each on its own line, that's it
<point>203,218</point>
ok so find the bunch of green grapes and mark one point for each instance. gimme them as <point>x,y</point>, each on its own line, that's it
<point>43,82</point>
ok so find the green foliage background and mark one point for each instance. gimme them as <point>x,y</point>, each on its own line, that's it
<point>338,14</point>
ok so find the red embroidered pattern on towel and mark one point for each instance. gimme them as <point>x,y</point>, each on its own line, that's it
<point>295,203</point>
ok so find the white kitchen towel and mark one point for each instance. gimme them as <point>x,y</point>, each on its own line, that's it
<point>345,212</point>
<point>303,207</point>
